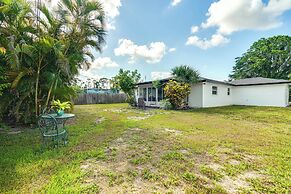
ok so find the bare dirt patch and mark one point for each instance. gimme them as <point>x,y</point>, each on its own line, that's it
<point>215,166</point>
<point>233,185</point>
<point>173,131</point>
<point>100,120</point>
<point>234,162</point>
<point>138,118</point>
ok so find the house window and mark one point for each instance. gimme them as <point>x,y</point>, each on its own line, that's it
<point>152,94</point>
<point>214,90</point>
<point>228,91</point>
<point>144,94</point>
<point>149,94</point>
<point>160,94</point>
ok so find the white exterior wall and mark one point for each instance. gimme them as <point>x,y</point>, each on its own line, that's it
<point>221,99</point>
<point>262,95</point>
<point>257,95</point>
<point>195,99</point>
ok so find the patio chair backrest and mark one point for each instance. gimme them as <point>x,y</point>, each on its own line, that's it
<point>47,110</point>
<point>47,124</point>
<point>140,102</point>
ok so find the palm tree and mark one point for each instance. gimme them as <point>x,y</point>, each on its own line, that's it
<point>42,59</point>
<point>185,74</point>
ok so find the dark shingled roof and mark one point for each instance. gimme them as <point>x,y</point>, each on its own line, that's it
<point>257,81</point>
<point>239,82</point>
<point>201,79</point>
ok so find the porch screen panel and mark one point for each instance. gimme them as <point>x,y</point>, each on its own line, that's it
<point>149,94</point>
<point>160,94</point>
<point>144,95</point>
<point>154,94</point>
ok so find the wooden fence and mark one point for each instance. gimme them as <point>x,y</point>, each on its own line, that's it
<point>100,98</point>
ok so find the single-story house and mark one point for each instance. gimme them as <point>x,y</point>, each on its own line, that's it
<point>256,91</point>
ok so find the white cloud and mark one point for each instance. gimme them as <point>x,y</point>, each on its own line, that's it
<point>151,54</point>
<point>172,50</point>
<point>96,65</point>
<point>156,75</point>
<point>175,2</point>
<point>103,62</point>
<point>194,29</point>
<point>111,9</point>
<point>230,16</point>
<point>215,40</point>
<point>85,74</point>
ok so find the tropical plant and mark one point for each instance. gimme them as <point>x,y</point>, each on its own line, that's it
<point>61,106</point>
<point>177,93</point>
<point>268,57</point>
<point>166,104</point>
<point>157,84</point>
<point>185,74</point>
<point>126,81</point>
<point>40,56</point>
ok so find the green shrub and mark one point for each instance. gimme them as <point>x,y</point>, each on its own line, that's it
<point>166,104</point>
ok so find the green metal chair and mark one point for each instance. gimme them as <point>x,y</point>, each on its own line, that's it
<point>51,131</point>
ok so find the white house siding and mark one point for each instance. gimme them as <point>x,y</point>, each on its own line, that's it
<point>262,95</point>
<point>221,99</point>
<point>195,97</point>
<point>256,95</point>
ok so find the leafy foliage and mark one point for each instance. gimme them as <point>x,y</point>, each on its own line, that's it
<point>157,84</point>
<point>177,92</point>
<point>166,104</point>
<point>126,81</point>
<point>58,105</point>
<point>185,74</point>
<point>40,58</point>
<point>269,58</point>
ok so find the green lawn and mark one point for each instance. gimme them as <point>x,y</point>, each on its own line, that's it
<point>114,148</point>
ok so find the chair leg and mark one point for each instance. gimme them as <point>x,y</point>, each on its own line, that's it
<point>65,138</point>
<point>43,144</point>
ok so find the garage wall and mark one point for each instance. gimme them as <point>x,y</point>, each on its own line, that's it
<point>195,96</point>
<point>262,95</point>
<point>221,99</point>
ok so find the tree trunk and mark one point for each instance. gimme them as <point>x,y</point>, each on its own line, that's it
<point>49,94</point>
<point>36,88</point>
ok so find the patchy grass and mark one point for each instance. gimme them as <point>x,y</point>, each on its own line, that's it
<point>114,148</point>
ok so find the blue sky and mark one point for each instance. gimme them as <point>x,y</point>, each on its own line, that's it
<point>151,36</point>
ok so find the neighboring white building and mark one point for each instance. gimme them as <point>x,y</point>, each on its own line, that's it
<point>211,93</point>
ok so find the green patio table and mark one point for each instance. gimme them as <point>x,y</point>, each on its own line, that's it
<point>61,119</point>
<point>53,127</point>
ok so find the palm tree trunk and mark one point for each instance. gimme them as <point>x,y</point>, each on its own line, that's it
<point>36,87</point>
<point>55,87</point>
<point>49,94</point>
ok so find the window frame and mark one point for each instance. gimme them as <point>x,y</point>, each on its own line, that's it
<point>214,90</point>
<point>228,91</point>
<point>144,94</point>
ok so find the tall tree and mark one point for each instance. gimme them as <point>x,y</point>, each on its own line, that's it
<point>44,54</point>
<point>177,91</point>
<point>126,81</point>
<point>268,57</point>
